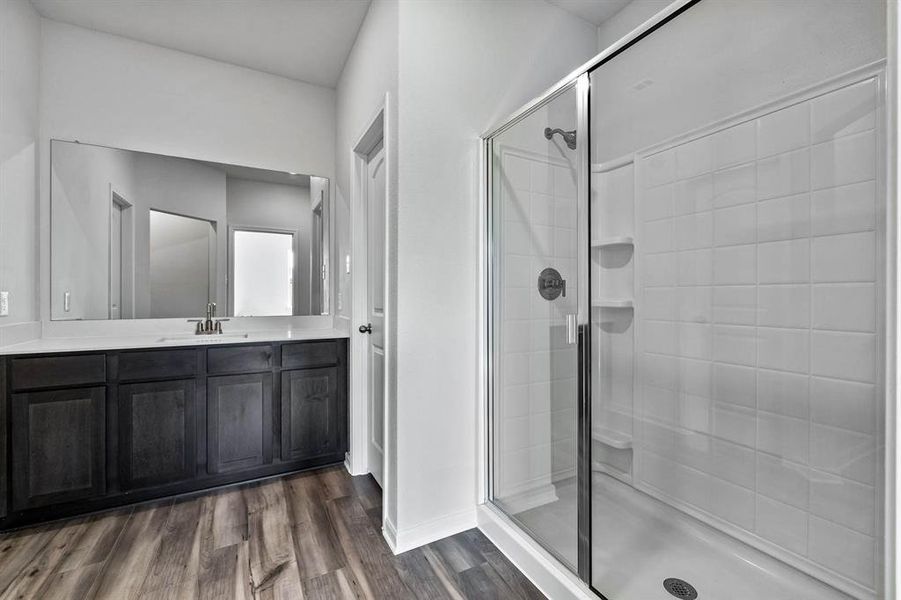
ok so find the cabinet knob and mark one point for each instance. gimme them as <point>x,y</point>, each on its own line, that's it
<point>367,328</point>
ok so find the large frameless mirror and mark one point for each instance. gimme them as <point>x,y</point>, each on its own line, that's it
<point>137,235</point>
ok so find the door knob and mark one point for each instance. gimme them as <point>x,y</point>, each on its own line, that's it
<point>367,328</point>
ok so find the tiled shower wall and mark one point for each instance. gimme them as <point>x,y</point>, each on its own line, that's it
<point>759,330</point>
<point>538,420</point>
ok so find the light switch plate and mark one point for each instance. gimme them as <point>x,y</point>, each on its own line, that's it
<point>4,304</point>
<point>347,264</point>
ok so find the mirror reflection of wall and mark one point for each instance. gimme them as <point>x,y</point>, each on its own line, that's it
<point>137,235</point>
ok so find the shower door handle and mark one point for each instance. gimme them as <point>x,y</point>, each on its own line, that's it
<point>572,330</point>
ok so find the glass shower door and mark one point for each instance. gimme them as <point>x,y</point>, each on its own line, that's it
<point>538,228</point>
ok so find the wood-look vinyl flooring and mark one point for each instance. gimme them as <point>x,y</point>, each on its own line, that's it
<point>313,535</point>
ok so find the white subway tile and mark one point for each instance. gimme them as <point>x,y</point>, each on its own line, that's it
<point>845,307</point>
<point>539,366</point>
<point>695,304</point>
<point>516,401</point>
<point>845,160</point>
<point>850,257</point>
<point>735,305</point>
<point>516,339</point>
<point>783,393</point>
<point>659,269</point>
<point>694,340</point>
<point>516,304</point>
<point>659,304</point>
<point>657,203</point>
<point>658,236</point>
<point>733,503</point>
<point>566,213</point>
<point>660,371</point>
<point>543,207</point>
<point>783,349</point>
<point>660,337</point>
<point>849,110</point>
<point>517,271</point>
<point>565,179</point>
<point>735,345</point>
<point>516,369</point>
<point>695,413</point>
<point>695,267</point>
<point>692,450</point>
<point>693,195</point>
<point>782,524</point>
<point>659,168</point>
<point>783,480</point>
<point>695,377</point>
<point>783,218</point>
<point>734,424</point>
<point>735,385</point>
<point>540,395</point>
<point>734,145</point>
<point>783,130</point>
<point>843,452</point>
<point>784,305</point>
<point>735,185</point>
<point>516,206</point>
<point>846,404</point>
<point>694,158</point>
<point>658,404</point>
<point>735,265</point>
<point>542,174</point>
<point>694,231</point>
<point>844,209</point>
<point>733,463</point>
<point>783,175</point>
<point>844,551</point>
<point>656,438</point>
<point>844,502</point>
<point>542,241</point>
<point>784,262</point>
<point>844,355</point>
<point>735,225</point>
<point>517,171</point>
<point>517,238</point>
<point>785,437</point>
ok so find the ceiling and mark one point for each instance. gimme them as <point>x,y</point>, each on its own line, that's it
<point>593,11</point>
<point>306,40</point>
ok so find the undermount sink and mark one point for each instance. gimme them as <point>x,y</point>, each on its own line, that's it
<point>204,339</point>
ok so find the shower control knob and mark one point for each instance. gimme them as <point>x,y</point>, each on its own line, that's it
<point>367,328</point>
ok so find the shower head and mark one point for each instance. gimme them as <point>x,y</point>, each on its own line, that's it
<point>568,136</point>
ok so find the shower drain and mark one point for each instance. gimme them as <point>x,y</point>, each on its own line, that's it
<point>680,589</point>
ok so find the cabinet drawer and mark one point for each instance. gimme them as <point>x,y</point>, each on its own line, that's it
<point>309,354</point>
<point>239,359</point>
<point>57,371</point>
<point>157,364</point>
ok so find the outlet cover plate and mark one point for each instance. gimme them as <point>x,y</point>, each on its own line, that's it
<point>4,304</point>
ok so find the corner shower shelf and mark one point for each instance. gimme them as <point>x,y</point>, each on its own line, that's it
<point>613,241</point>
<point>612,303</point>
<point>611,438</point>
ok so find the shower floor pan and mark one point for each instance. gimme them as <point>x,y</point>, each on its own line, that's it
<point>639,542</point>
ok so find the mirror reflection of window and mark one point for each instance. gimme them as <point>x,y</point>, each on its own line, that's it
<point>263,273</point>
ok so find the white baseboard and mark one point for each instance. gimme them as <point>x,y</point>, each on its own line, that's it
<point>549,575</point>
<point>407,539</point>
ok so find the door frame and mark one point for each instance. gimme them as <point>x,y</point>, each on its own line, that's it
<point>377,130</point>
<point>126,254</point>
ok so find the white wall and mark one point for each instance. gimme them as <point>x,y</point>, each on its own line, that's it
<point>19,88</point>
<point>462,68</point>
<point>626,19</point>
<point>108,90</point>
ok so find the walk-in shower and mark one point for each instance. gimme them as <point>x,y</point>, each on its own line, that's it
<point>703,410</point>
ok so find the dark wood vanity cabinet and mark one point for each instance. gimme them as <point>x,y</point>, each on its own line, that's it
<point>84,432</point>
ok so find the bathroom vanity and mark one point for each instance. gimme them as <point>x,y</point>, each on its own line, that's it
<point>87,430</point>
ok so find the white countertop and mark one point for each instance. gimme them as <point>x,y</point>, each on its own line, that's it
<point>162,340</point>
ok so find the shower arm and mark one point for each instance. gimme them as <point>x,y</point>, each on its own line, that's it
<point>568,136</point>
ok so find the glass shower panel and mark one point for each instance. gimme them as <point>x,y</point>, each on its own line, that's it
<point>737,260</point>
<point>534,221</point>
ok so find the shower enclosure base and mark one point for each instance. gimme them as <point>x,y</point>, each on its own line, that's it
<point>641,541</point>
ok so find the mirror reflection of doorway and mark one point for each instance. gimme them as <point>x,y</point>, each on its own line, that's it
<point>263,272</point>
<point>181,264</point>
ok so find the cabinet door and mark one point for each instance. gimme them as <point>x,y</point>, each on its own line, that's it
<point>239,422</point>
<point>58,446</point>
<point>156,433</point>
<point>312,414</point>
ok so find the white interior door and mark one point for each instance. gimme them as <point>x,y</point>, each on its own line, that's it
<point>375,273</point>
